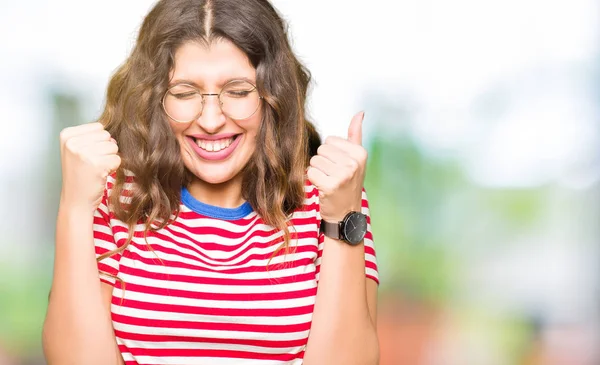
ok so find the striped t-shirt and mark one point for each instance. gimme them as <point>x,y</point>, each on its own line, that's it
<point>208,290</point>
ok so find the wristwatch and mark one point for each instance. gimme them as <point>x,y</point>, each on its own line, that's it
<point>352,229</point>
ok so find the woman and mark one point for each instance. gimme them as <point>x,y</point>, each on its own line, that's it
<point>197,200</point>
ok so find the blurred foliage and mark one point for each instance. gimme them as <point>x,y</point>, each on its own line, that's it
<point>407,192</point>
<point>426,213</point>
<point>25,282</point>
<point>24,293</point>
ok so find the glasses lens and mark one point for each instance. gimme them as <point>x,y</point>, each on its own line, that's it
<point>239,99</point>
<point>183,103</point>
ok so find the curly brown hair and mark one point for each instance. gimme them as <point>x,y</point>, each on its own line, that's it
<point>274,178</point>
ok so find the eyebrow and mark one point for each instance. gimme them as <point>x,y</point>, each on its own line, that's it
<point>194,84</point>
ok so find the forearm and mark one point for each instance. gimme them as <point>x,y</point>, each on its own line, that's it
<point>342,330</point>
<point>77,329</point>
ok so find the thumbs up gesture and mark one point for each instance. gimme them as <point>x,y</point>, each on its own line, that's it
<point>338,172</point>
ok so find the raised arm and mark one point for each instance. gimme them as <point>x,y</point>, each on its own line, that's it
<point>343,330</point>
<point>78,328</point>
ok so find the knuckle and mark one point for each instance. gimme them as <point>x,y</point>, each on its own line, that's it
<point>321,149</point>
<point>116,163</point>
<point>353,164</point>
<point>346,178</point>
<point>71,144</point>
<point>64,134</point>
<point>363,154</point>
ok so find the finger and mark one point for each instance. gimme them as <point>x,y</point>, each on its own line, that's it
<point>318,178</point>
<point>356,152</point>
<point>89,140</point>
<point>325,165</point>
<point>112,162</point>
<point>81,129</point>
<point>341,143</point>
<point>355,129</point>
<point>332,152</point>
<point>106,148</point>
<point>98,136</point>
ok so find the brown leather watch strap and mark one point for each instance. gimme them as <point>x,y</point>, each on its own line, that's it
<point>332,230</point>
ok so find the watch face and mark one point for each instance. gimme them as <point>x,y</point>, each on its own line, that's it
<point>355,227</point>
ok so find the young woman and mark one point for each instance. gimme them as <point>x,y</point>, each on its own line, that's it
<point>222,235</point>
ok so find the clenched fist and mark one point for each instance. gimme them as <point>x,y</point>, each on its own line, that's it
<point>338,171</point>
<point>88,155</point>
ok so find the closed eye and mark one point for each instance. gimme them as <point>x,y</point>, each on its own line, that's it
<point>187,95</point>
<point>239,94</point>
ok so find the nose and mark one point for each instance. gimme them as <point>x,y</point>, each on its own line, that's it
<point>212,118</point>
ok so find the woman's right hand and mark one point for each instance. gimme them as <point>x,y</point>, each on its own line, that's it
<point>88,155</point>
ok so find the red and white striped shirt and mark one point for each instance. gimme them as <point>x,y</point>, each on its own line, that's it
<point>205,291</point>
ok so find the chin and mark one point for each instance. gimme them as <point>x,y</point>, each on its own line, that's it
<point>215,179</point>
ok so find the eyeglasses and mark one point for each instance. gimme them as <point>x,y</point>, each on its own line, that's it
<point>238,99</point>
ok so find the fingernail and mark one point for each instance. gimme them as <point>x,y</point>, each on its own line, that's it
<point>362,117</point>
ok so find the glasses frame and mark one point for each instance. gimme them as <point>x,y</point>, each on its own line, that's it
<point>202,95</point>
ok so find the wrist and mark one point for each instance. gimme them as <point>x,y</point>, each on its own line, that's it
<point>340,215</point>
<point>350,229</point>
<point>74,207</point>
<point>72,220</point>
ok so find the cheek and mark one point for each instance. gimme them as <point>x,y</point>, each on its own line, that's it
<point>177,128</point>
<point>252,126</point>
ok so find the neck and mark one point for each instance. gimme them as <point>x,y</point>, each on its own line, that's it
<point>225,195</point>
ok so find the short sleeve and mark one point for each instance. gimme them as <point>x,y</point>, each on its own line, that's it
<point>370,258</point>
<point>104,240</point>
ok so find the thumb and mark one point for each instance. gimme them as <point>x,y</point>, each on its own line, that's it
<point>355,129</point>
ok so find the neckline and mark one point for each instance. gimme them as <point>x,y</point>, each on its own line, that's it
<point>213,211</point>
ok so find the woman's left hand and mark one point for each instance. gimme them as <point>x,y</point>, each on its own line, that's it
<point>338,172</point>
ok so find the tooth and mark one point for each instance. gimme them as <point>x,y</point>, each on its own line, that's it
<point>215,146</point>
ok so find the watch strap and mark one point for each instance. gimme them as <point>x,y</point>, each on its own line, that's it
<point>331,229</point>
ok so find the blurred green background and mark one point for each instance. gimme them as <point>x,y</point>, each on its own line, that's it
<point>482,125</point>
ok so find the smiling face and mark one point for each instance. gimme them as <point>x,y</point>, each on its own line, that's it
<point>214,147</point>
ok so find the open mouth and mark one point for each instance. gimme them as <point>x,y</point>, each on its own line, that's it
<point>215,145</point>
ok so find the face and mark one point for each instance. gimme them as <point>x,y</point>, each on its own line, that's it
<point>214,147</point>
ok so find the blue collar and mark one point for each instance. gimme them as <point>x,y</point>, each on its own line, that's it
<point>213,211</point>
